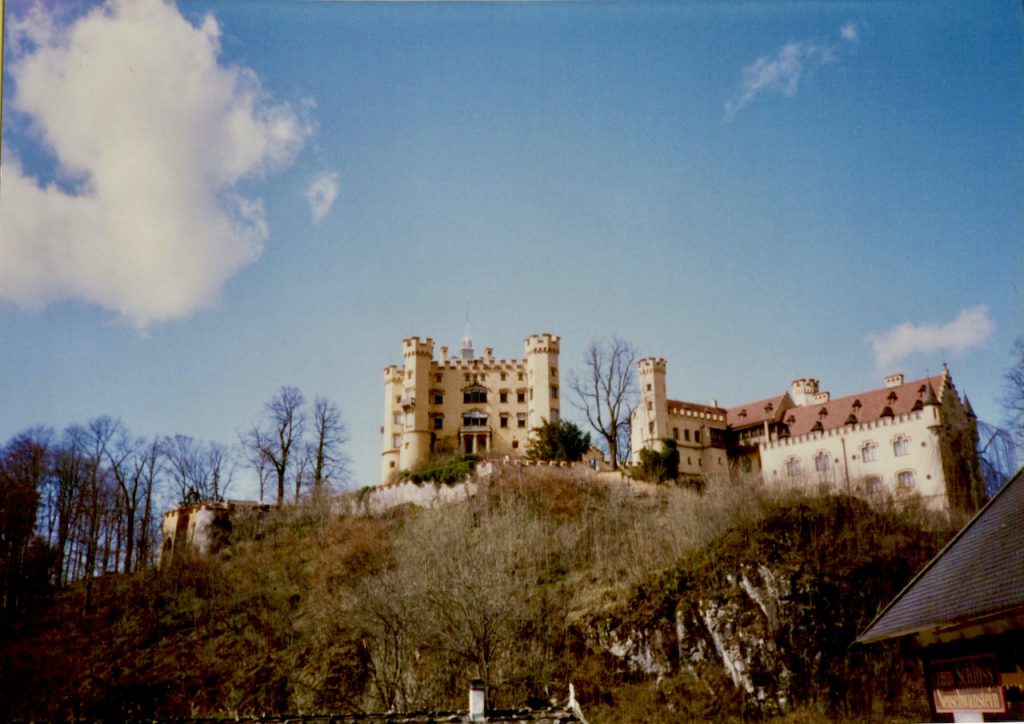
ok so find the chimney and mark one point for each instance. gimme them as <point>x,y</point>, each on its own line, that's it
<point>477,700</point>
<point>444,355</point>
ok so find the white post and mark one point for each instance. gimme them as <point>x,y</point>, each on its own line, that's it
<point>477,700</point>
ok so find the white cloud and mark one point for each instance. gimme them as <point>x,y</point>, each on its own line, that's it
<point>321,194</point>
<point>783,72</point>
<point>151,133</point>
<point>850,32</point>
<point>971,328</point>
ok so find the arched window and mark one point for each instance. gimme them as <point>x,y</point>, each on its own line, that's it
<point>873,484</point>
<point>793,467</point>
<point>869,452</point>
<point>905,479</point>
<point>901,446</point>
<point>821,462</point>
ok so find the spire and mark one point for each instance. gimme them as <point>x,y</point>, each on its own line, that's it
<point>467,344</point>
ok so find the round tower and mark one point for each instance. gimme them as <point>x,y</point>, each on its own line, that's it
<point>391,430</point>
<point>652,413</point>
<point>414,401</point>
<point>542,378</point>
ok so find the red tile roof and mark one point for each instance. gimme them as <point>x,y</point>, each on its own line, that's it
<point>862,407</point>
<point>680,405</point>
<point>753,413</point>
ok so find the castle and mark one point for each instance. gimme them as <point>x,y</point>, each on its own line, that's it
<point>906,437</point>
<point>476,405</point>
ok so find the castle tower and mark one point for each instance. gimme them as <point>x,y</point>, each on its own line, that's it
<point>651,420</point>
<point>542,378</point>
<point>394,420</point>
<point>802,391</point>
<point>417,356</point>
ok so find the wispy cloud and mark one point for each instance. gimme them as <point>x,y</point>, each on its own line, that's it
<point>783,72</point>
<point>971,328</point>
<point>154,133</point>
<point>321,194</point>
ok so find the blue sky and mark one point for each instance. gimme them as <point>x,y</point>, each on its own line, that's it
<point>201,202</point>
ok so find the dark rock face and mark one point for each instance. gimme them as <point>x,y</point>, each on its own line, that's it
<point>771,612</point>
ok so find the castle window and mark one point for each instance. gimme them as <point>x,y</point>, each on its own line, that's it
<point>821,462</point>
<point>650,405</point>
<point>398,399</point>
<point>391,464</point>
<point>474,395</point>
<point>438,422</point>
<point>869,452</point>
<point>531,393</point>
<point>554,416</point>
<point>873,484</point>
<point>554,372</point>
<point>437,378</point>
<point>474,419</point>
<point>397,418</point>
<point>675,433</point>
<point>503,397</point>
<point>554,392</point>
<point>520,420</point>
<point>696,435</point>
<point>438,398</point>
<point>901,446</point>
<point>793,467</point>
<point>521,396</point>
<point>648,386</point>
<point>396,441</point>
<point>650,427</point>
<point>520,376</point>
<point>905,479</point>
<point>515,444</point>
<point>686,435</point>
<point>503,376</point>
<point>503,420</point>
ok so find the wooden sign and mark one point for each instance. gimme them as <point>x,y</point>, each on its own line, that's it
<point>968,684</point>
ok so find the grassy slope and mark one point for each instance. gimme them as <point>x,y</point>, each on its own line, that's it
<point>307,613</point>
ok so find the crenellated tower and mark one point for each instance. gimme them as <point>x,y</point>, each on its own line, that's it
<point>651,417</point>
<point>542,378</point>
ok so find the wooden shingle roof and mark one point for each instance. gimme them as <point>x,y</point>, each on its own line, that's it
<point>977,576</point>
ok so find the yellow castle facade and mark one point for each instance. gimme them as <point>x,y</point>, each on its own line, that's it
<point>477,405</point>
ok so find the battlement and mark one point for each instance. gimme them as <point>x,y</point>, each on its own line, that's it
<point>413,347</point>
<point>652,364</point>
<point>545,343</point>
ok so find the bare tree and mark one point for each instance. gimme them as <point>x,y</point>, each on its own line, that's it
<point>1013,397</point>
<point>281,428</point>
<point>606,393</point>
<point>328,463</point>
<point>186,462</point>
<point>220,465</point>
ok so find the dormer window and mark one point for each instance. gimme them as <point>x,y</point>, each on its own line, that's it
<point>856,405</point>
<point>886,412</point>
<point>891,398</point>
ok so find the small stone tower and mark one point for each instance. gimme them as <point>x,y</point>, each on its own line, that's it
<point>803,391</point>
<point>542,378</point>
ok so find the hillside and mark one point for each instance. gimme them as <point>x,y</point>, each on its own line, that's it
<point>659,604</point>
